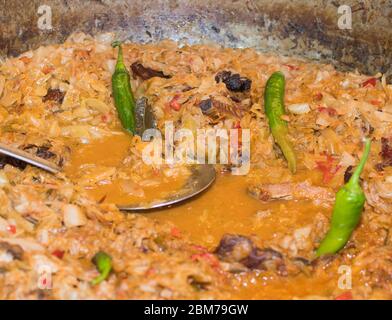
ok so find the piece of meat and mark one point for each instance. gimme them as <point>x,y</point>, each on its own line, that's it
<point>146,73</point>
<point>378,195</point>
<point>234,82</point>
<point>290,191</point>
<point>45,153</point>
<point>386,148</point>
<point>265,259</point>
<point>386,153</point>
<point>234,248</point>
<point>240,250</point>
<point>4,160</point>
<point>302,261</point>
<point>375,264</point>
<point>222,76</point>
<point>235,99</point>
<point>217,110</point>
<point>15,250</point>
<point>54,95</point>
<point>40,151</point>
<point>205,105</point>
<point>232,110</point>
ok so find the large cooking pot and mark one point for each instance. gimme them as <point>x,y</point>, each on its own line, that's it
<point>291,27</point>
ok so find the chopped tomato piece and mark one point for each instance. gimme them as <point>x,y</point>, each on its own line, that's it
<point>150,271</point>
<point>318,96</point>
<point>345,296</point>
<point>369,83</point>
<point>331,111</point>
<point>175,232</point>
<point>11,228</point>
<point>174,104</point>
<point>105,117</point>
<point>25,59</point>
<point>44,281</point>
<point>375,102</point>
<point>291,67</point>
<point>47,69</point>
<point>208,257</point>
<point>58,253</point>
<point>327,168</point>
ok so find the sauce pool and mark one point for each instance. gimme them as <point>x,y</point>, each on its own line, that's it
<point>224,208</point>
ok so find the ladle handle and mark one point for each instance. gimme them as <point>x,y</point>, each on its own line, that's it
<point>29,158</point>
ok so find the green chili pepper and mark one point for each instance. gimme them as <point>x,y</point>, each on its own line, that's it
<point>122,92</point>
<point>274,109</point>
<point>103,262</point>
<point>347,210</point>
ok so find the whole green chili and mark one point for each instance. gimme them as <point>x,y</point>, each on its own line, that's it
<point>274,109</point>
<point>347,210</point>
<point>103,262</point>
<point>122,92</point>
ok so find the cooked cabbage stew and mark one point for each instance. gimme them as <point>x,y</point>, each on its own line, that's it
<point>250,236</point>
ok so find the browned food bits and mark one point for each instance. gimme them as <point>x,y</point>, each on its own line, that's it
<point>146,73</point>
<point>238,248</point>
<point>54,95</point>
<point>4,160</point>
<point>205,105</point>
<point>40,151</point>
<point>14,250</point>
<point>234,82</point>
<point>234,247</point>
<point>386,153</point>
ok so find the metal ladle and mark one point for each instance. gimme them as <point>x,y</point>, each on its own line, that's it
<point>201,178</point>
